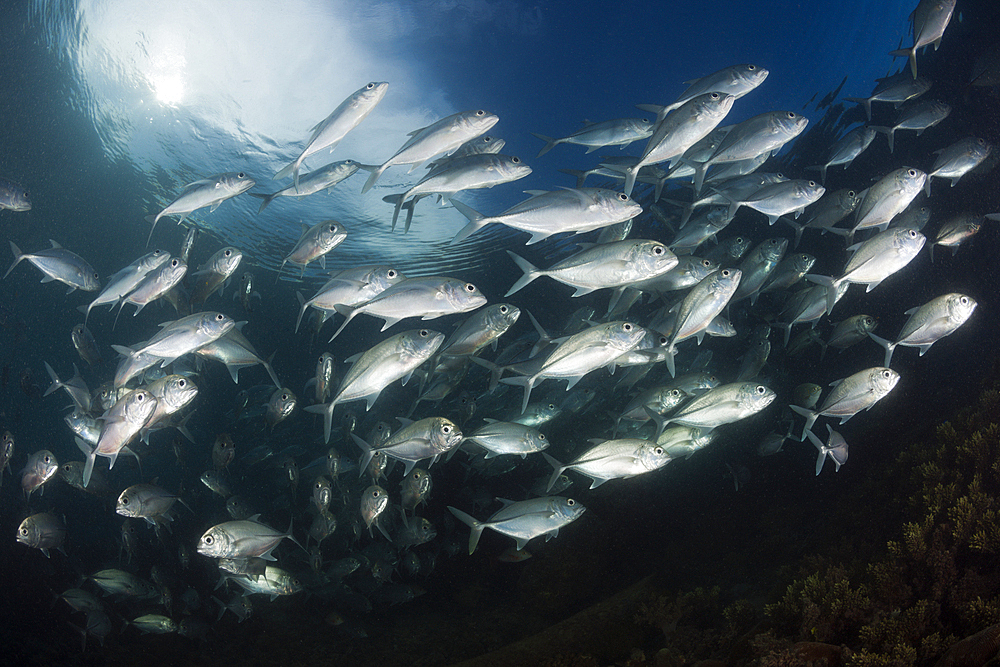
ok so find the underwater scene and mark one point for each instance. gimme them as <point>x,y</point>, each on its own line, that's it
<point>489,333</point>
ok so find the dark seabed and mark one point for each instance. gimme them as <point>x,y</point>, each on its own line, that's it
<point>727,557</point>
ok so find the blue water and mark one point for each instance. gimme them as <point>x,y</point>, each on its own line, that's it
<point>107,109</point>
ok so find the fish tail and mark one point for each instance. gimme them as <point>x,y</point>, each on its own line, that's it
<point>290,169</point>
<point>475,221</point>
<point>671,353</point>
<point>91,454</point>
<point>477,527</point>
<point>265,200</point>
<point>831,289</point>
<point>630,175</point>
<point>863,101</point>
<point>397,202</point>
<point>810,419</point>
<point>907,53</point>
<point>699,177</point>
<point>798,230</point>
<point>550,143</point>
<point>889,132</point>
<point>581,176</point>
<point>56,382</point>
<point>302,310</point>
<point>557,469</point>
<point>18,256</point>
<point>889,347</point>
<point>821,458</point>
<point>346,311</point>
<point>152,220</point>
<point>366,453</point>
<point>530,273</point>
<point>528,381</point>
<point>375,175</point>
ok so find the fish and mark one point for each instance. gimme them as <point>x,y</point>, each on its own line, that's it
<point>427,438</point>
<point>918,117</point>
<point>280,406</point>
<point>700,306</point>
<point>350,287</point>
<point>156,624</point>
<point>850,331</point>
<point>779,199</point>
<point>6,452</point>
<point>737,81</point>
<point>499,438</point>
<point>246,292</point>
<point>602,266</point>
<point>481,329</point>
<point>524,520</point>
<point>416,488</point>
<point>42,531</point>
<point>896,89</point>
<point>210,191</point>
<point>439,137</point>
<point>314,243</point>
<point>223,451</point>
<point>378,367</point>
<point>928,22</point>
<point>176,339</point>
<point>873,261</point>
<point>85,345</point>
<point>156,284</point>
<point>551,212</point>
<point>958,159</point>
<point>618,132</point>
<point>126,280</point>
<point>121,424</point>
<point>835,448</point>
<point>929,323</point>
<point>242,539</point>
<point>236,352</point>
<point>850,396</point>
<point>329,132</point>
<point>75,387</point>
<point>680,130</point>
<point>612,459</point>
<point>146,501</point>
<point>427,297</point>
<point>324,178</point>
<point>60,264</point>
<point>724,404</point>
<point>955,231</point>
<point>274,582</point>
<point>214,274</point>
<point>374,500</point>
<point>13,196</point>
<point>42,466</point>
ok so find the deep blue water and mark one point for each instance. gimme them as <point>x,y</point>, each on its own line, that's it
<point>108,109</point>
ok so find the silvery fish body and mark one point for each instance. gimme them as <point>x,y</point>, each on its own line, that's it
<point>146,501</point>
<point>928,22</point>
<point>835,448</point>
<point>42,531</point>
<point>888,198</point>
<point>85,344</point>
<point>758,265</point>
<point>498,438</point>
<point>556,211</point>
<point>614,459</point>
<point>737,81</point>
<point>375,369</point>
<point>273,582</point>
<point>415,488</point>
<point>959,159</point>
<point>930,323</point>
<point>957,230</point>
<point>280,406</point>
<point>700,306</point>
<point>41,467</point>
<point>351,287</point>
<point>896,89</point>
<point>780,199</point>
<point>428,298</point>
<point>127,279</point>
<point>525,520</point>
<point>13,196</point>
<point>236,352</point>
<point>918,117</point>
<point>723,405</point>
<point>214,273</point>
<point>428,438</point>
<point>850,331</point>
<point>850,146</point>
<point>157,283</point>
<point>617,132</point>
<point>240,539</point>
<point>60,264</point>
<point>608,265</point>
<point>851,395</point>
<point>481,329</point>
<point>331,130</point>
<point>324,178</point>
<point>440,137</point>
<point>121,424</point>
<point>210,191</point>
<point>314,243</point>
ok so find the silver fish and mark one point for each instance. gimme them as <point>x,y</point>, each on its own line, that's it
<point>481,329</point>
<point>280,406</point>
<point>350,287</point>
<point>613,459</point>
<point>42,531</point>
<point>146,501</point>
<point>156,624</point>
<point>13,196</point>
<point>241,539</point>
<point>324,178</point>
<point>835,448</point>
<point>428,438</point>
<point>85,344</point>
<point>850,146</point>
<point>60,264</point>
<point>499,438</point>
<point>525,519</point>
<point>896,89</point>
<point>440,137</point>
<point>700,306</point>
<point>329,132</point>
<point>374,500</point>
<point>157,283</point>
<point>210,191</point>
<point>121,424</point>
<point>617,132</point>
<point>214,273</point>
<point>124,281</point>
<point>851,395</point>
<point>723,405</point>
<point>416,487</point>
<point>427,297</point>
<point>236,352</point>
<point>314,243</point>
<point>75,387</point>
<point>930,323</point>
<point>958,159</point>
<point>918,117</point>
<point>553,212</point>
<point>928,22</point>
<point>42,466</point>
<point>274,582</point>
<point>737,81</point>
<point>373,370</point>
<point>850,331</point>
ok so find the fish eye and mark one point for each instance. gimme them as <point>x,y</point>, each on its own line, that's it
<point>48,459</point>
<point>140,397</point>
<point>24,531</point>
<point>391,273</point>
<point>761,389</point>
<point>446,429</point>
<point>658,451</point>
<point>220,317</point>
<point>706,263</point>
<point>913,233</point>
<point>208,539</point>
<point>627,326</point>
<point>424,333</point>
<point>370,85</point>
<point>469,287</point>
<point>912,172</point>
<point>504,309</point>
<point>541,436</point>
<point>125,500</point>
<point>726,273</point>
<point>658,250</point>
<point>663,340</point>
<point>851,194</point>
<point>570,502</point>
<point>284,397</point>
<point>376,493</point>
<point>715,96</point>
<point>228,253</point>
<point>964,300</point>
<point>623,196</point>
<point>487,140</point>
<point>675,392</point>
<point>182,383</point>
<point>811,184</point>
<point>241,175</point>
<point>751,67</point>
<point>791,114</point>
<point>96,275</point>
<point>295,582</point>
<point>551,406</point>
<point>516,160</point>
<point>480,113</point>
